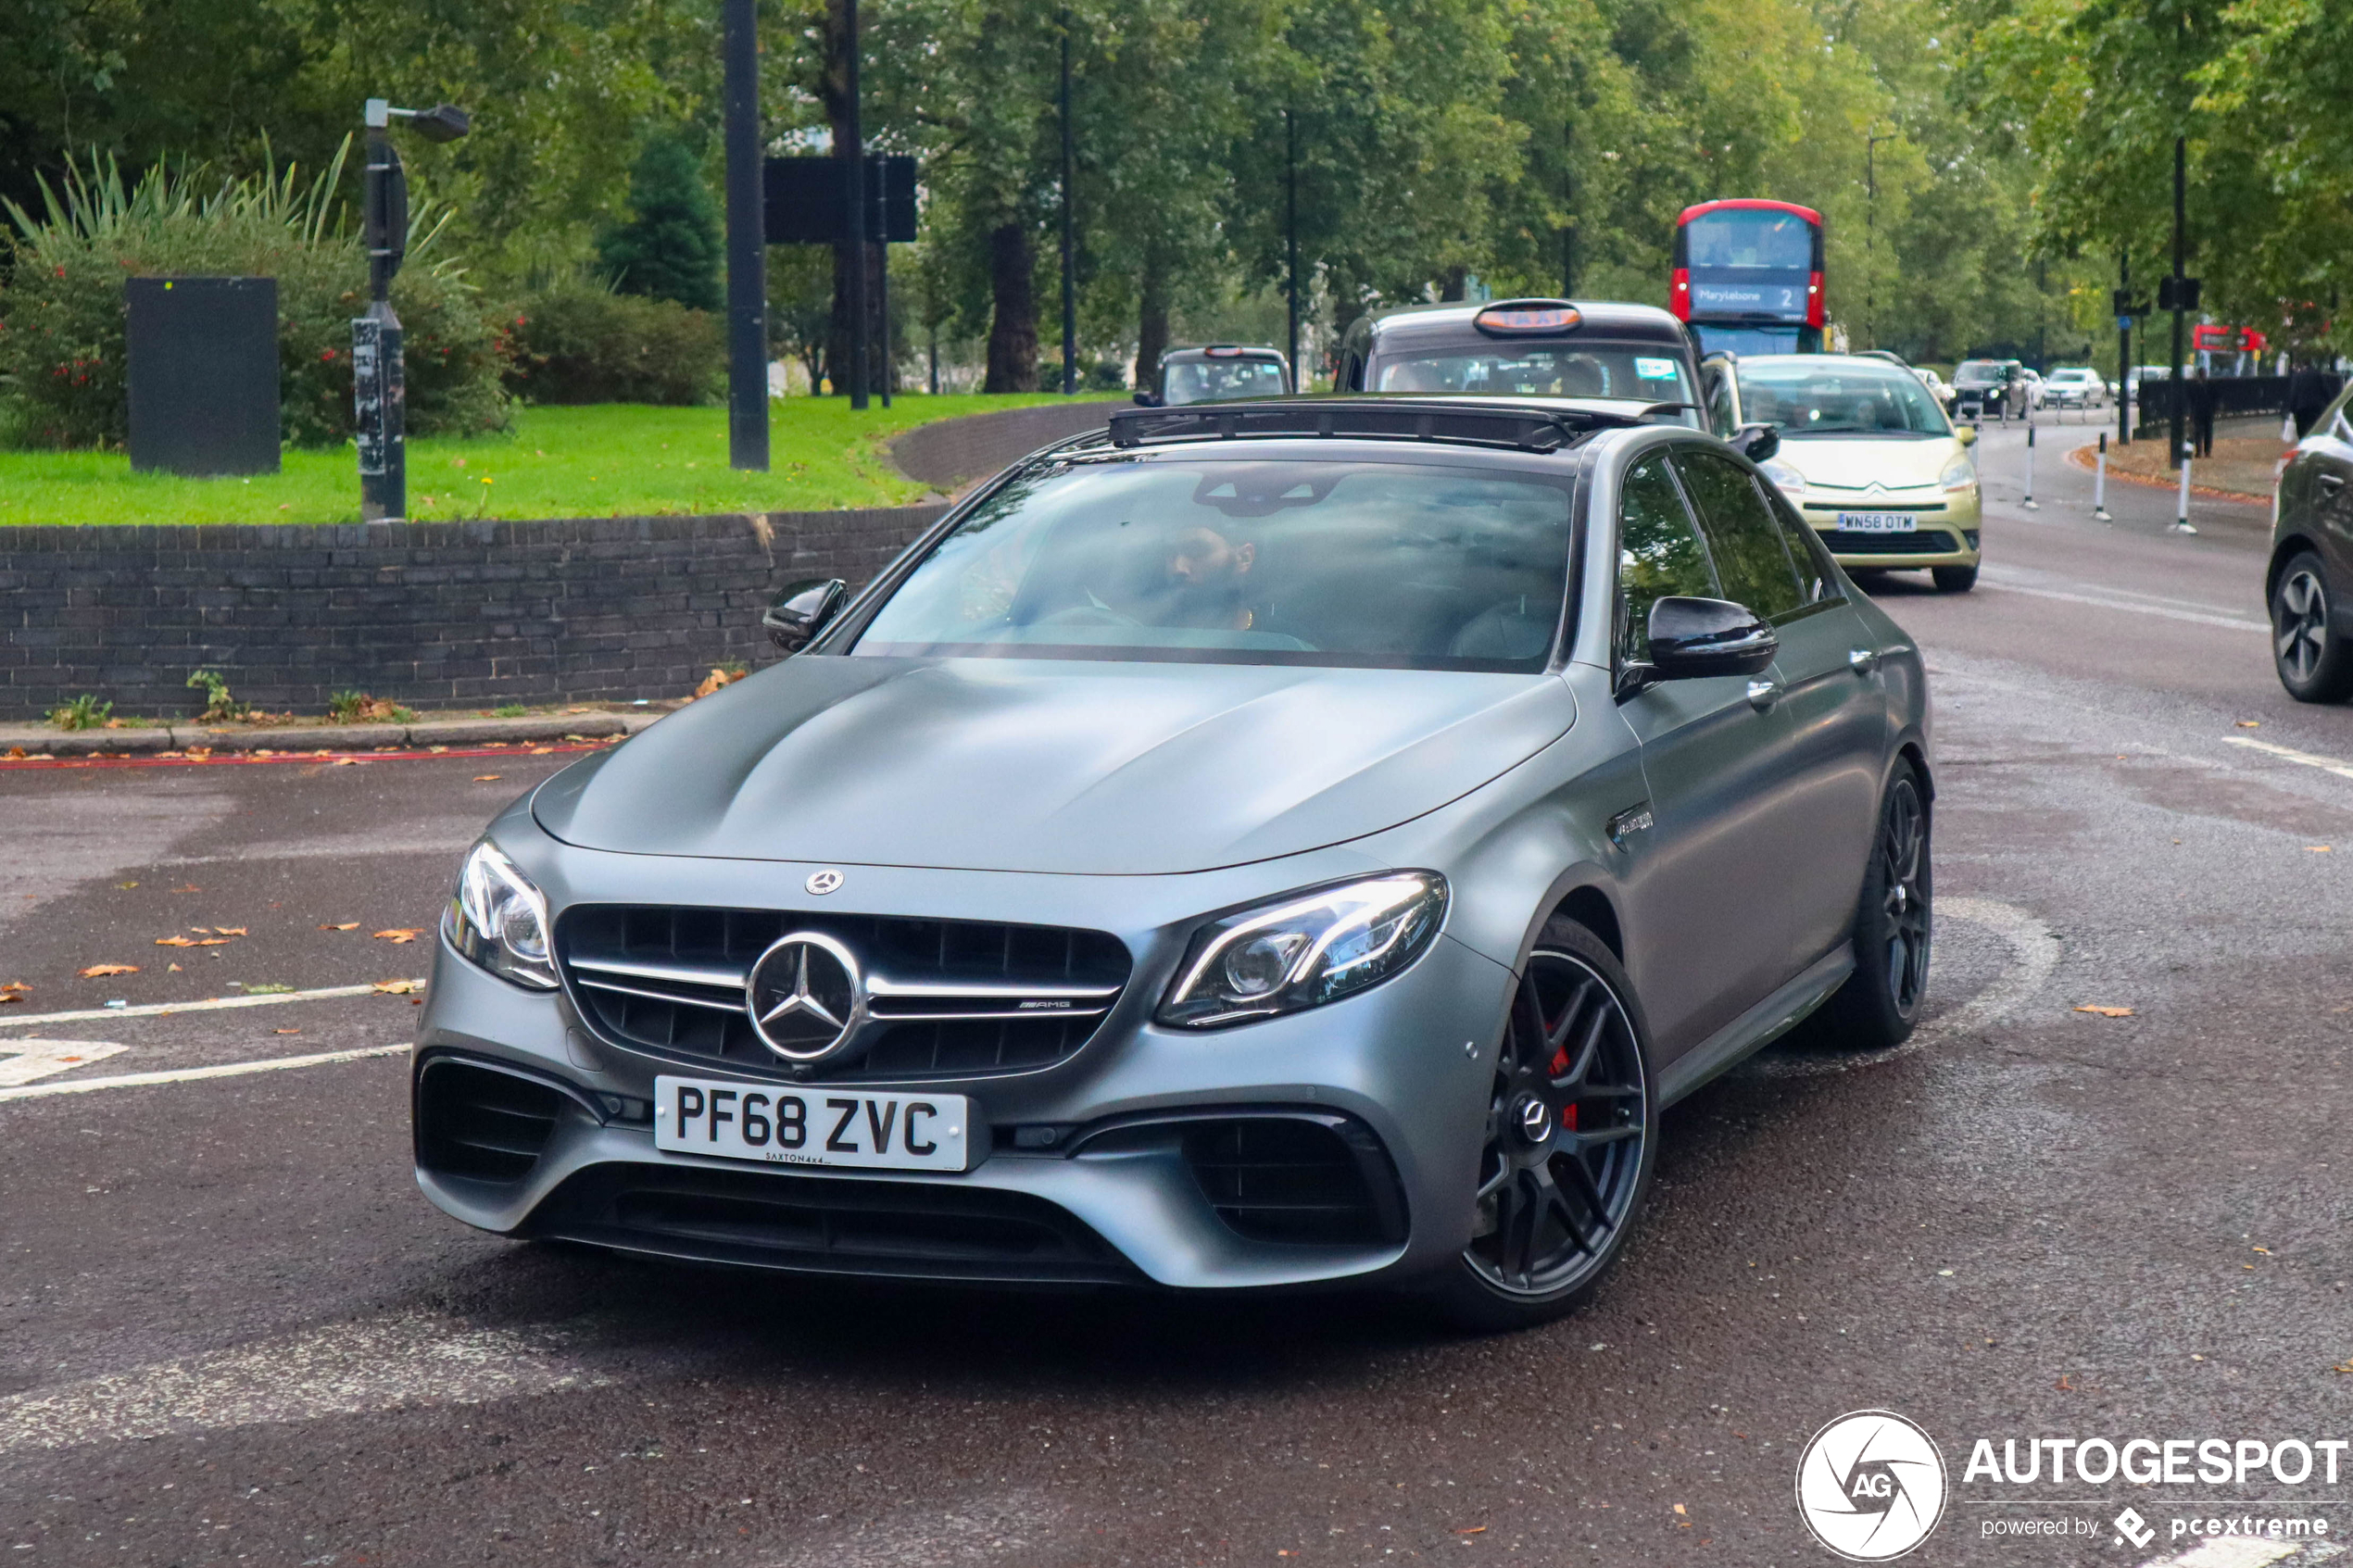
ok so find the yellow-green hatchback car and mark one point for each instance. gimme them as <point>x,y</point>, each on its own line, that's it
<point>1867,457</point>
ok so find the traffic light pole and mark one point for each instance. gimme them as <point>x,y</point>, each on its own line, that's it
<point>379,390</point>
<point>2180,246</point>
<point>2124,348</point>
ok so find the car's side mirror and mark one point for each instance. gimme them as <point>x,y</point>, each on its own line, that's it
<point>1147,400</point>
<point>1758,443</point>
<point>802,610</point>
<point>1692,637</point>
<point>1966,435</point>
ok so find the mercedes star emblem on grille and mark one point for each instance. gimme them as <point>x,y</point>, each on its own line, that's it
<point>806,996</point>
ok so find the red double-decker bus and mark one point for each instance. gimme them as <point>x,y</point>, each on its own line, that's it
<point>1748,276</point>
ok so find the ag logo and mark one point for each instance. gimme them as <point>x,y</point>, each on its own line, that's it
<point>1871,1486</point>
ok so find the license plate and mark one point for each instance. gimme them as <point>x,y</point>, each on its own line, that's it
<point>780,1126</point>
<point>1875,522</point>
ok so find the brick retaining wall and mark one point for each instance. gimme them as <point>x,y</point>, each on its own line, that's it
<point>430,614</point>
<point>951,452</point>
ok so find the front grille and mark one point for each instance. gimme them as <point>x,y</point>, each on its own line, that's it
<point>1919,542</point>
<point>830,1224</point>
<point>481,1123</point>
<point>1296,1179</point>
<point>949,999</point>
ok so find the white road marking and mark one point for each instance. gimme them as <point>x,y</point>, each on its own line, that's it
<point>341,1369</point>
<point>2326,764</point>
<point>157,1010</point>
<point>2136,604</point>
<point>192,1075</point>
<point>2244,1552</point>
<point>23,1060</point>
<point>2034,952</point>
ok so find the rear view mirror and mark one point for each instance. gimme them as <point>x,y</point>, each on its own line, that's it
<point>1692,637</point>
<point>802,610</point>
<point>1758,443</point>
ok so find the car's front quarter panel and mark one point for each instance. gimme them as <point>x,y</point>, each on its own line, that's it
<point>1409,1057</point>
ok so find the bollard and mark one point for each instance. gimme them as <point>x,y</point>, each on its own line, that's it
<point>2031,504</point>
<point>2099,483</point>
<point>2182,509</point>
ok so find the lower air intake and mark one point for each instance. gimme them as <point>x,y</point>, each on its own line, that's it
<point>1297,1179</point>
<point>481,1123</point>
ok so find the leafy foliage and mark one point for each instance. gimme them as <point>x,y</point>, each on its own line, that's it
<point>61,311</point>
<point>580,342</point>
<point>671,247</point>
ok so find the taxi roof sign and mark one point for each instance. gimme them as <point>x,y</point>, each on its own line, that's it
<point>1512,316</point>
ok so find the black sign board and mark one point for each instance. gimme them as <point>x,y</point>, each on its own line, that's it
<point>2184,297</point>
<point>202,360</point>
<point>806,200</point>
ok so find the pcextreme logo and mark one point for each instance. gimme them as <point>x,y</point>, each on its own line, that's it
<point>1871,1486</point>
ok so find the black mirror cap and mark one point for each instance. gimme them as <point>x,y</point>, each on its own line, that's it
<point>1693,637</point>
<point>1758,443</point>
<point>796,615</point>
<point>1147,400</point>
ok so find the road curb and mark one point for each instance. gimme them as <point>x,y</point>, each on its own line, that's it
<point>2117,476</point>
<point>31,740</point>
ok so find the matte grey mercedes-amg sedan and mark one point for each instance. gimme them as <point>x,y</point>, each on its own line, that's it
<point>1263,844</point>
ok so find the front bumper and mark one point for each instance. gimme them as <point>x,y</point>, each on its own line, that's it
<point>1943,533</point>
<point>1397,1077</point>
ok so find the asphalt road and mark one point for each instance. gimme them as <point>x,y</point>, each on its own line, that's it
<point>231,1331</point>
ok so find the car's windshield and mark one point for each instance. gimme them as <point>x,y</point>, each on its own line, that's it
<point>1638,371</point>
<point>1978,372</point>
<point>1215,381</point>
<point>1812,396</point>
<point>1375,564</point>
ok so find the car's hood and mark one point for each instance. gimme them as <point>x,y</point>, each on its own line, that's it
<point>1051,765</point>
<point>1893,462</point>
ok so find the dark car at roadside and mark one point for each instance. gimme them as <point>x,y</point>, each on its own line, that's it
<point>1989,389</point>
<point>2309,582</point>
<point>1221,372</point>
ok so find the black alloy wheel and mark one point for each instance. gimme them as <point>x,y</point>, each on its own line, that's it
<point>1567,1157</point>
<point>1893,930</point>
<point>2311,657</point>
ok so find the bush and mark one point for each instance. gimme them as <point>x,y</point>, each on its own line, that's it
<point>61,312</point>
<point>579,342</point>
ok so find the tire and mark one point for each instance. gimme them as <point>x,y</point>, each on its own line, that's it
<point>2310,654</point>
<point>1954,578</point>
<point>1894,927</point>
<point>1554,1208</point>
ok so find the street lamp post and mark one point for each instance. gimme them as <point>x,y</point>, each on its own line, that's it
<point>378,384</point>
<point>1291,239</point>
<point>1870,232</point>
<point>1070,282</point>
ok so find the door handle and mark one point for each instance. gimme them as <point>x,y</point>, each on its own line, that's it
<point>1862,660</point>
<point>1762,694</point>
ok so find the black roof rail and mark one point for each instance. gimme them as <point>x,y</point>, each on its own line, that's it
<point>1526,427</point>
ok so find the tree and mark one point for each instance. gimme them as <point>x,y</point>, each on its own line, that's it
<point>671,247</point>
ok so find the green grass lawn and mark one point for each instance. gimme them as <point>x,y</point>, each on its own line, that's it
<point>622,460</point>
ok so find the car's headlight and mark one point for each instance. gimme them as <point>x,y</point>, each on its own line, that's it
<point>1785,478</point>
<point>1304,951</point>
<point>1959,474</point>
<point>499,920</point>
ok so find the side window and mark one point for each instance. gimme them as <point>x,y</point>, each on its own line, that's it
<point>1814,574</point>
<point>1721,418</point>
<point>1742,534</point>
<point>1659,554</point>
<point>1352,374</point>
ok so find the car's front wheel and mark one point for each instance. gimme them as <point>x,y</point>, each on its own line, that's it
<point>2314,663</point>
<point>1954,578</point>
<point>1565,1159</point>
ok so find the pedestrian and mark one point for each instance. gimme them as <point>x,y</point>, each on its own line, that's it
<point>2308,394</point>
<point>2203,394</point>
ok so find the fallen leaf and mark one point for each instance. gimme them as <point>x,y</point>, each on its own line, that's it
<point>1681,1509</point>
<point>541,750</point>
<point>191,887</point>
<point>488,778</point>
<point>175,941</point>
<point>285,1031</point>
<point>174,969</point>
<point>346,762</point>
<point>1481,1529</point>
<point>2105,1013</point>
<point>2265,1251</point>
<point>2063,1385</point>
<point>394,987</point>
<point>2345,1366</point>
<point>347,925</point>
<point>126,886</point>
<point>397,935</point>
<point>2317,848</point>
<point>2250,723</point>
<point>96,970</point>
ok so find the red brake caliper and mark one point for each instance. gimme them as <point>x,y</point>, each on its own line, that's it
<point>1559,1066</point>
